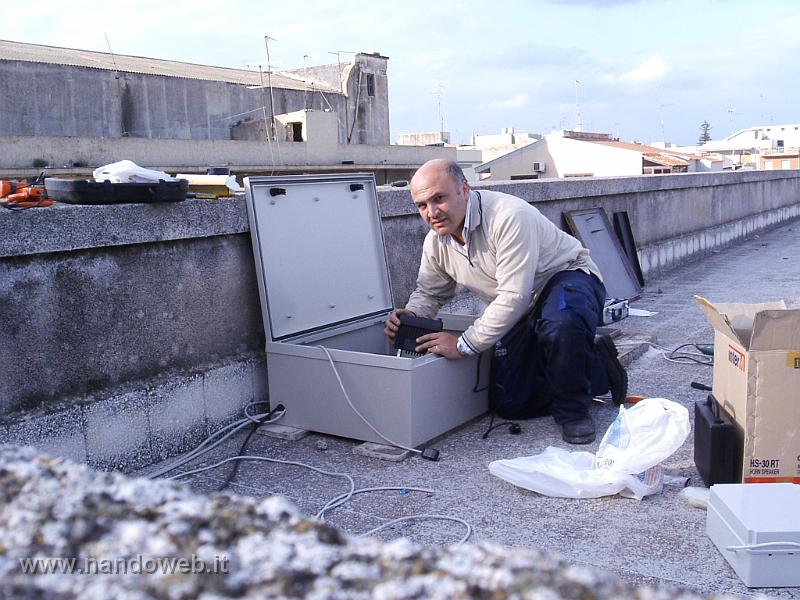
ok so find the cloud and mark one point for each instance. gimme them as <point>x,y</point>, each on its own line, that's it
<point>595,3</point>
<point>530,56</point>
<point>518,101</point>
<point>651,70</point>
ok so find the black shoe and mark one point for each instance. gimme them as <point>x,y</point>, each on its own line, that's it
<point>617,376</point>
<point>578,432</point>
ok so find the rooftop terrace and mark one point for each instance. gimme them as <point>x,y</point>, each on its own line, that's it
<point>135,413</point>
<point>659,540</point>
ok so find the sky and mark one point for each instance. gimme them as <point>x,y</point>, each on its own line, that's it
<point>641,70</point>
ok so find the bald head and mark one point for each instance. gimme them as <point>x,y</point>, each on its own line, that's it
<point>440,192</point>
<point>441,166</point>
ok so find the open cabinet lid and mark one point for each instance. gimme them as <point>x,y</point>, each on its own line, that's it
<point>319,252</point>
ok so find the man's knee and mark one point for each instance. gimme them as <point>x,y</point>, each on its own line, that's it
<point>571,306</point>
<point>565,328</point>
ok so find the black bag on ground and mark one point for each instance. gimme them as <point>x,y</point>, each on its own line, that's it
<point>514,384</point>
<point>717,443</point>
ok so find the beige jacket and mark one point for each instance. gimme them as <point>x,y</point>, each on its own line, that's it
<point>513,250</point>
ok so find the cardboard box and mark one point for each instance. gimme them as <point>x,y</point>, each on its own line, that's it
<point>757,382</point>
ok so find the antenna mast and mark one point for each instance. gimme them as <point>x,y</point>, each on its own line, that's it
<point>338,54</point>
<point>439,93</point>
<point>578,121</point>
<point>305,80</point>
<point>271,95</point>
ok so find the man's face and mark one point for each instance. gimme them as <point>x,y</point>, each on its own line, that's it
<point>440,201</point>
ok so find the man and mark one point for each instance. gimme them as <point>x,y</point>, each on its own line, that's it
<point>545,299</point>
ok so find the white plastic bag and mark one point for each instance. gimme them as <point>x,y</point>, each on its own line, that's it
<point>126,171</point>
<point>627,461</point>
<point>643,436</point>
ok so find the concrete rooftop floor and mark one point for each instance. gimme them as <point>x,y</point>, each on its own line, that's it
<point>659,540</point>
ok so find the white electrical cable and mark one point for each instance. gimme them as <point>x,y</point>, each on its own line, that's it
<point>343,498</point>
<point>254,418</point>
<point>234,427</point>
<point>775,546</point>
<point>237,426</point>
<point>347,495</point>
<point>423,517</point>
<point>355,410</point>
<point>331,504</point>
<point>703,359</point>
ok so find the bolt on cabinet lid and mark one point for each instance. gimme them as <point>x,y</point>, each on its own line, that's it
<point>319,252</point>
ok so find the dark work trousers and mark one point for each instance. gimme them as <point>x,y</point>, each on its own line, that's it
<point>547,363</point>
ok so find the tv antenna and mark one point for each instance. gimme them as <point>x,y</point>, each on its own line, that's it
<point>578,121</point>
<point>342,89</point>
<point>271,95</point>
<point>305,80</point>
<point>338,54</point>
<point>661,108</point>
<point>439,93</point>
<point>733,113</point>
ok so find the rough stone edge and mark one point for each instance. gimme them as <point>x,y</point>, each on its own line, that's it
<point>270,549</point>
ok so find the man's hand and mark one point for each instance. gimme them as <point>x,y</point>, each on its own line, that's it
<point>441,343</point>
<point>393,323</point>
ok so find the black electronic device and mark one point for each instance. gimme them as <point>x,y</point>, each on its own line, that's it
<point>411,328</point>
<point>718,443</point>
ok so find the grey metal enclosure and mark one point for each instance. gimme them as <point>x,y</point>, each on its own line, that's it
<point>324,285</point>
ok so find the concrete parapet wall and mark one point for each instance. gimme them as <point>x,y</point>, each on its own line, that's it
<point>140,422</point>
<point>19,152</point>
<point>674,218</point>
<point>111,311</point>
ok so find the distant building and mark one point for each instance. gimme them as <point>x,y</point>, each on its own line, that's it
<point>508,140</point>
<point>69,92</point>
<point>76,109</point>
<point>763,137</point>
<point>589,154</point>
<point>436,138</point>
<point>749,148</point>
<point>467,157</point>
<point>785,159</point>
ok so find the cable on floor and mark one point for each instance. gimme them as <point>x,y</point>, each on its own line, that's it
<point>253,429</point>
<point>343,498</point>
<point>423,517</point>
<point>426,453</point>
<point>204,447</point>
<point>675,356</point>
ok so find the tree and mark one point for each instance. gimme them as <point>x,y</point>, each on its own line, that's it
<point>705,135</point>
